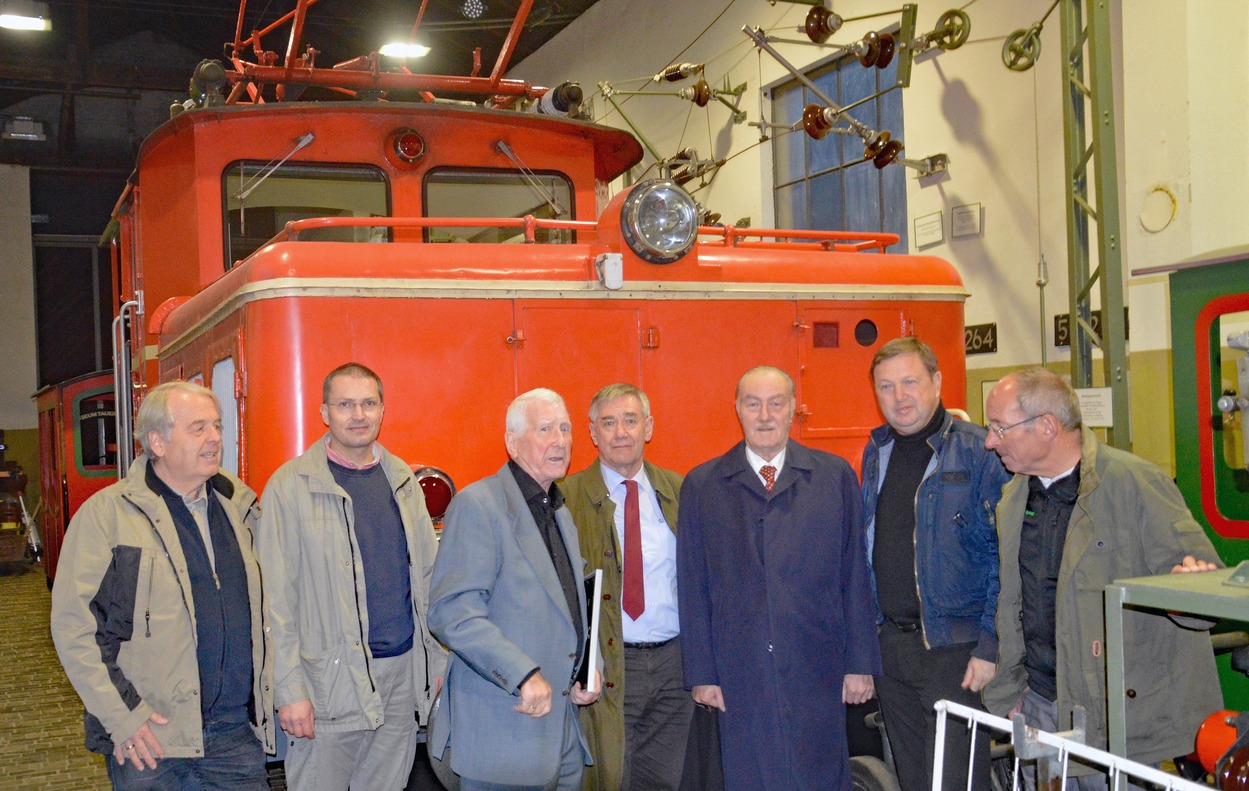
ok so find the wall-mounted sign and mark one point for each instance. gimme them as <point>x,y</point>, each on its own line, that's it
<point>980,338</point>
<point>1062,329</point>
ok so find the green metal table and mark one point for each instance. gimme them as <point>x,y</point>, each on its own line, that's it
<point>1201,594</point>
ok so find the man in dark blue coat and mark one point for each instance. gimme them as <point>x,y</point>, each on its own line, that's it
<point>776,610</point>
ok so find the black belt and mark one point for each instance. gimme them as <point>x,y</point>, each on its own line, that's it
<point>903,626</point>
<point>648,646</point>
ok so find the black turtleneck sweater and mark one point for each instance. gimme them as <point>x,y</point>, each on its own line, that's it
<point>893,553</point>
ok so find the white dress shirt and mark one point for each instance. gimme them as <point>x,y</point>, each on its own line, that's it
<point>658,621</point>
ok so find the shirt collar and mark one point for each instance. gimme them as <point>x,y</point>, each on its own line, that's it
<point>757,463</point>
<point>343,461</point>
<point>530,490</point>
<point>613,479</point>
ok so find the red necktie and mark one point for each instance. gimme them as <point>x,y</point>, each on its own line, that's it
<point>634,589</point>
<point>769,476</point>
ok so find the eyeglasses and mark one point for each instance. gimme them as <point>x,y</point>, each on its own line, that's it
<point>349,407</point>
<point>1001,430</point>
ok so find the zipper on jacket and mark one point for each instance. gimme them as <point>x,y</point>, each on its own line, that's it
<point>416,612</point>
<point>355,587</point>
<point>172,567</point>
<point>147,612</point>
<point>919,596</point>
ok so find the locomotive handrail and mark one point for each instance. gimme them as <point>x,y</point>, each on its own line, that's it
<point>730,236</point>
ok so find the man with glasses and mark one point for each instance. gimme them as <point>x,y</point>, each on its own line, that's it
<point>347,550</point>
<point>930,488</point>
<point>1077,516</point>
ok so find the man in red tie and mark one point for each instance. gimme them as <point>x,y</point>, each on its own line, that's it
<point>777,621</point>
<point>625,509</point>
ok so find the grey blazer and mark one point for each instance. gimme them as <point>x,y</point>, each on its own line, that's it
<point>496,602</point>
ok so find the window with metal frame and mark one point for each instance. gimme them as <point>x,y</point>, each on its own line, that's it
<point>827,184</point>
<point>460,192</point>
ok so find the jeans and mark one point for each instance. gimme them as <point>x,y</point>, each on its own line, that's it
<point>233,761</point>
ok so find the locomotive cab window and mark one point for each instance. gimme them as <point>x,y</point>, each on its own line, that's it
<point>259,199</point>
<point>497,194</point>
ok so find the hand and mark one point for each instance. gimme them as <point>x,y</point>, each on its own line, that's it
<point>1190,564</point>
<point>298,719</point>
<point>857,688</point>
<point>583,698</point>
<point>979,673</point>
<point>709,696</point>
<point>142,748</point>
<point>535,697</point>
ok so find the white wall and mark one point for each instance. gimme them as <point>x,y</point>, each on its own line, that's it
<point>17,302</point>
<point>1181,79</point>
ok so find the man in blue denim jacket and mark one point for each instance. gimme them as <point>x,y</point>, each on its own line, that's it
<point>929,494</point>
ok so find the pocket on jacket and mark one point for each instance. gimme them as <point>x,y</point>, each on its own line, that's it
<point>331,685</point>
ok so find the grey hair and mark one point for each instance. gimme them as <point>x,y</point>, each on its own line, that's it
<point>155,414</point>
<point>767,369</point>
<point>518,411</point>
<point>619,390</point>
<point>1040,391</point>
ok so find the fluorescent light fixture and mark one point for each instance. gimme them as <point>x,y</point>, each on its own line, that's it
<point>24,15</point>
<point>24,128</point>
<point>401,49</point>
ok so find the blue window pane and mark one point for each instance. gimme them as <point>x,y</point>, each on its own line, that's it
<point>863,198</point>
<point>893,180</point>
<point>827,202</point>
<point>791,206</point>
<point>789,150</point>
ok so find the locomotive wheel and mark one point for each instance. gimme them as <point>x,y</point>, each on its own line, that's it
<point>868,773</point>
<point>871,50</point>
<point>953,28</point>
<point>887,155</point>
<point>1022,48</point>
<point>886,51</point>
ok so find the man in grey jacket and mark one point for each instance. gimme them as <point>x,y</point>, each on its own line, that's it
<point>157,610</point>
<point>509,601</point>
<point>347,548</point>
<point>1078,515</point>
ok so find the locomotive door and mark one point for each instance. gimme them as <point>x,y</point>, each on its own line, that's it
<point>575,350</point>
<point>835,350</point>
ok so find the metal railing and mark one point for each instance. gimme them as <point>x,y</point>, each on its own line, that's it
<point>1051,751</point>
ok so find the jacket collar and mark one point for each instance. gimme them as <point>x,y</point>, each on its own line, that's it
<point>797,458</point>
<point>596,487</point>
<point>314,465</point>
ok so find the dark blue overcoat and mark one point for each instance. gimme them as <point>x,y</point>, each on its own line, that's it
<point>776,609</point>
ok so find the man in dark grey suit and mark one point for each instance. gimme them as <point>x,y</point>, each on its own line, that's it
<point>507,599</point>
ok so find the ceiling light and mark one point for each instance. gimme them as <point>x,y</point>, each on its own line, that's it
<point>402,49</point>
<point>23,128</point>
<point>473,9</point>
<point>24,15</point>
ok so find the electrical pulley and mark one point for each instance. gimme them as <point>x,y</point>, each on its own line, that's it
<point>1022,48</point>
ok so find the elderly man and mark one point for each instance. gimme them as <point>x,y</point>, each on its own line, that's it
<point>508,599</point>
<point>1077,515</point>
<point>929,493</point>
<point>348,548</point>
<point>625,509</point>
<point>156,610</point>
<point>777,621</point>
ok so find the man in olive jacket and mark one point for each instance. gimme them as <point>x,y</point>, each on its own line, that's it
<point>157,611</point>
<point>638,729</point>
<point>1078,515</point>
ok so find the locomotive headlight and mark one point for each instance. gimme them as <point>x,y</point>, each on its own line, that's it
<point>438,489</point>
<point>659,221</point>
